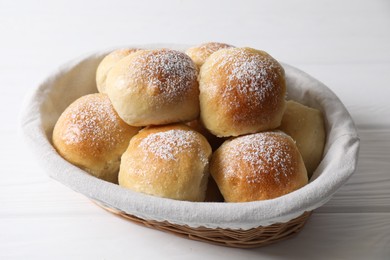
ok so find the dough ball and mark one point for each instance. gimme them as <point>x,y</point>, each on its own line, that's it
<point>242,91</point>
<point>169,161</point>
<point>154,87</point>
<point>91,135</point>
<point>258,167</point>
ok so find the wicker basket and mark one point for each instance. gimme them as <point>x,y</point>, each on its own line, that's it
<point>242,225</point>
<point>251,238</point>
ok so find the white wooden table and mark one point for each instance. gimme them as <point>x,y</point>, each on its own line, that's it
<point>345,44</point>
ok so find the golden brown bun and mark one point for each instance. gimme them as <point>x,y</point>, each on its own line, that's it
<point>107,63</point>
<point>306,126</point>
<point>242,90</point>
<point>154,87</point>
<point>200,53</point>
<point>90,135</point>
<point>213,140</point>
<point>258,167</point>
<point>168,161</point>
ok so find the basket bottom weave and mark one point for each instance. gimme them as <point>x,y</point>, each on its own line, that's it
<point>251,238</point>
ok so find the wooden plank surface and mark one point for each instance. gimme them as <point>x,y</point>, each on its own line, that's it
<point>103,236</point>
<point>344,44</point>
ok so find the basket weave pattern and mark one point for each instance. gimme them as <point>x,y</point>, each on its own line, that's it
<point>251,238</point>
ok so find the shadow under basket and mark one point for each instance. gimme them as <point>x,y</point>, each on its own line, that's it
<point>251,238</point>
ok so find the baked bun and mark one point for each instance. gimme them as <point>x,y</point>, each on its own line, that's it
<point>168,161</point>
<point>200,53</point>
<point>154,87</point>
<point>90,135</point>
<point>107,63</point>
<point>242,91</point>
<point>258,167</point>
<point>306,126</point>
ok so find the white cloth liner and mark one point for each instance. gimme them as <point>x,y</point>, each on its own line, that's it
<point>77,78</point>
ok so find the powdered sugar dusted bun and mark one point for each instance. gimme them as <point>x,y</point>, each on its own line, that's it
<point>242,90</point>
<point>107,63</point>
<point>154,87</point>
<point>90,135</point>
<point>258,167</point>
<point>307,127</point>
<point>200,53</point>
<point>169,161</point>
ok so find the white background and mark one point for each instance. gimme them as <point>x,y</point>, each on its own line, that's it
<point>344,44</point>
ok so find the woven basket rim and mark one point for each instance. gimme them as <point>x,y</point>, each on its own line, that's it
<point>252,238</point>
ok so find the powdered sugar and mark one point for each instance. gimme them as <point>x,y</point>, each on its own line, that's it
<point>251,77</point>
<point>92,119</point>
<point>170,145</point>
<point>168,73</point>
<point>263,153</point>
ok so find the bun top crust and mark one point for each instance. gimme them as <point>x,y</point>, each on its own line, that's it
<point>164,72</point>
<point>91,125</point>
<point>258,167</point>
<point>148,86</point>
<point>107,63</point>
<point>90,134</point>
<point>200,53</point>
<point>168,161</point>
<point>242,90</point>
<point>172,143</point>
